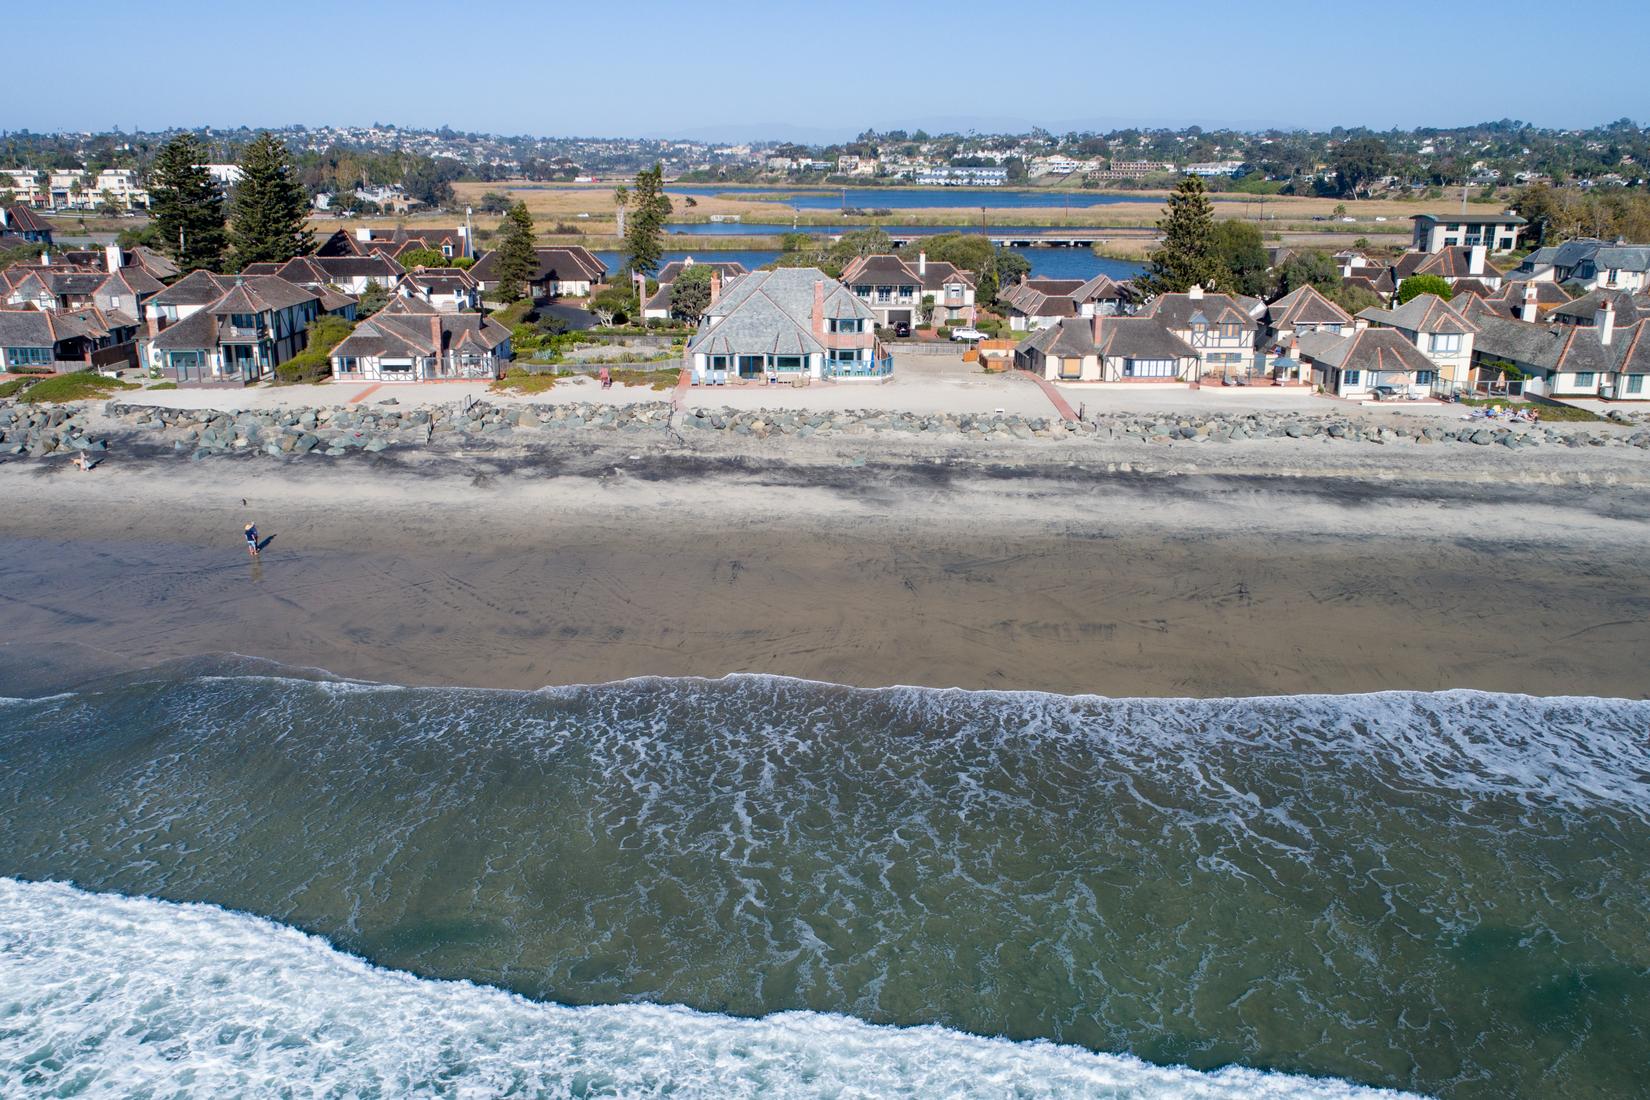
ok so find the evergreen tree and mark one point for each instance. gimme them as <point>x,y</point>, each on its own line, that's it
<point>517,262</point>
<point>1188,255</point>
<point>271,208</point>
<point>690,293</point>
<point>186,205</point>
<point>646,208</point>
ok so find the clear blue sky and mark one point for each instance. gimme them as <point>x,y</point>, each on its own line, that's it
<point>806,70</point>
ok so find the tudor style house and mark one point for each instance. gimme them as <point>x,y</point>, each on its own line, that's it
<point>1355,362</point>
<point>239,335</point>
<point>1290,317</point>
<point>899,291</point>
<point>1037,303</point>
<point>451,243</point>
<point>351,274</point>
<point>1220,327</point>
<point>1102,348</point>
<point>1496,232</point>
<point>448,289</point>
<point>409,340</point>
<point>566,272</point>
<point>1606,356</point>
<point>1438,331</point>
<point>787,325</point>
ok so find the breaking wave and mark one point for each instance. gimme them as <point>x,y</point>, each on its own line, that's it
<point>116,996</point>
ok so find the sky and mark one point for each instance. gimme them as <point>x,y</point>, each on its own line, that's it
<point>802,70</point>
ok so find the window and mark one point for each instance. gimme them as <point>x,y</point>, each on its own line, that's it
<point>1584,379</point>
<point>843,324</point>
<point>1635,383</point>
<point>1230,330</point>
<point>1071,366</point>
<point>349,364</point>
<point>718,362</point>
<point>885,293</point>
<point>1149,368</point>
<point>788,362</point>
<point>28,357</point>
<point>1446,342</point>
<point>1350,377</point>
<point>243,320</point>
<point>1425,377</point>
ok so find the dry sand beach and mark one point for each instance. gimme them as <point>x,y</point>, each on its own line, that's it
<point>1275,568</point>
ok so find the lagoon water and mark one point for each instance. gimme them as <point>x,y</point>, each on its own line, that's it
<point>1049,263</point>
<point>913,198</point>
<point>776,887</point>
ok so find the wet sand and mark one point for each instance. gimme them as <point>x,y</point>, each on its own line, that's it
<point>594,564</point>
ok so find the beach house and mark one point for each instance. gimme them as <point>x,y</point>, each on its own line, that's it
<point>1103,348</point>
<point>1608,357</point>
<point>240,335</point>
<point>566,272</point>
<point>1037,303</point>
<point>351,274</point>
<point>1363,363</point>
<point>1589,264</point>
<point>792,324</point>
<point>1438,331</point>
<point>912,292</point>
<point>410,340</point>
<point>1221,328</point>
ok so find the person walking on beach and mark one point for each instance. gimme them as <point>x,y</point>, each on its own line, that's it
<point>252,539</point>
<point>606,377</point>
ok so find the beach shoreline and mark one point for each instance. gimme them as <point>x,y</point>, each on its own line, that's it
<point>1145,571</point>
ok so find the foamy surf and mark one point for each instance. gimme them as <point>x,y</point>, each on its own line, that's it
<point>114,996</point>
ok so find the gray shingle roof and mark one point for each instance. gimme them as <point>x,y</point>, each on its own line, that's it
<point>771,312</point>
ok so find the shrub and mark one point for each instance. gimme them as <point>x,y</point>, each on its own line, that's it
<point>79,386</point>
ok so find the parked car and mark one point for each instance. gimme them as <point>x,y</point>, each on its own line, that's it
<point>967,334</point>
<point>902,328</point>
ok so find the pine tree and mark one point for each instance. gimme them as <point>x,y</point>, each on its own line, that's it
<point>1188,255</point>
<point>517,262</point>
<point>647,207</point>
<point>271,209</point>
<point>186,205</point>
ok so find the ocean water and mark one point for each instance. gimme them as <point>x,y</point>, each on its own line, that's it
<point>760,886</point>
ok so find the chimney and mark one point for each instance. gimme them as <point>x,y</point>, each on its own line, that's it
<point>111,257</point>
<point>1095,324</point>
<point>435,334</point>
<point>1196,293</point>
<point>1605,321</point>
<point>362,233</point>
<point>1475,259</point>
<point>715,285</point>
<point>1359,324</point>
<point>819,309</point>
<point>45,259</point>
<point>1527,311</point>
<point>922,264</point>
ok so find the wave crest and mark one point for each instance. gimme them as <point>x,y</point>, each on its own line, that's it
<point>109,995</point>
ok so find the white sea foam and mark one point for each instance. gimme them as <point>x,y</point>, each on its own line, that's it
<point>105,996</point>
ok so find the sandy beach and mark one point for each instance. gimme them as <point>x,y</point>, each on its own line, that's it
<point>1260,570</point>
